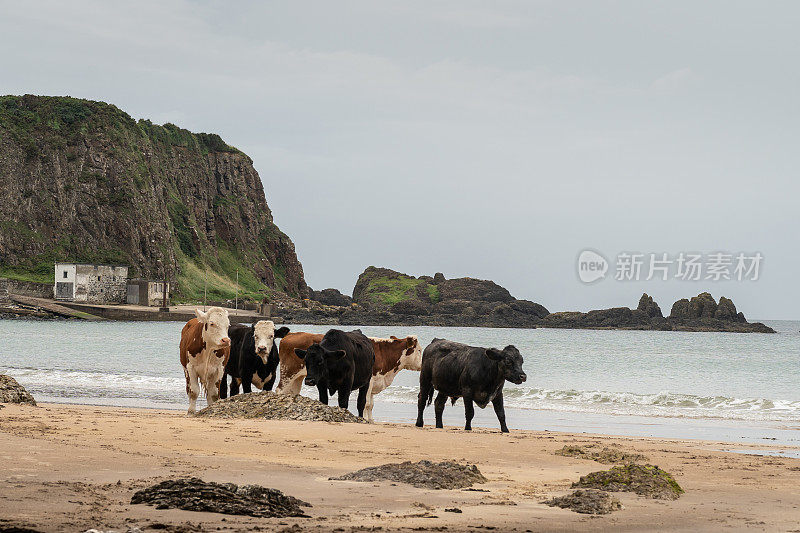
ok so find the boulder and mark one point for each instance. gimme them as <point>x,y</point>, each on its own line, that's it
<point>726,310</point>
<point>331,297</point>
<point>473,289</point>
<point>13,392</point>
<point>529,308</point>
<point>648,306</point>
<point>438,278</point>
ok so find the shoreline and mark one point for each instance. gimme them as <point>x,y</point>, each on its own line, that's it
<point>82,464</point>
<point>780,435</point>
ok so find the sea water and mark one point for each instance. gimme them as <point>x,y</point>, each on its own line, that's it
<point>719,386</point>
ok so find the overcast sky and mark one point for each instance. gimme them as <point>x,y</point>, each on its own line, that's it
<point>487,139</point>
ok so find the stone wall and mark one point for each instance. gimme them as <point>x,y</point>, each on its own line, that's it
<point>101,284</point>
<point>25,288</point>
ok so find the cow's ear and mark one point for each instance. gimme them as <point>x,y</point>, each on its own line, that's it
<point>201,316</point>
<point>335,354</point>
<point>494,354</point>
<point>281,332</point>
<point>300,353</point>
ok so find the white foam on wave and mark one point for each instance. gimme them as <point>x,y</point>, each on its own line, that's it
<point>661,404</point>
<point>79,384</point>
<point>145,390</point>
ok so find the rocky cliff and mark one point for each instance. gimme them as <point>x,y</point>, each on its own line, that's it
<point>83,181</point>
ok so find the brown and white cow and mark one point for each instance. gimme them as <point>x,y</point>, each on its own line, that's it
<point>391,356</point>
<point>205,348</point>
<point>293,369</point>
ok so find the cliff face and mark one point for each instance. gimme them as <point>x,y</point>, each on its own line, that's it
<point>83,181</point>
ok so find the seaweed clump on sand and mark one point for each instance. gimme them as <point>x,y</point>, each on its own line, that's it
<point>587,501</point>
<point>274,406</point>
<point>193,494</point>
<point>606,456</point>
<point>13,392</point>
<point>645,480</point>
<point>423,474</point>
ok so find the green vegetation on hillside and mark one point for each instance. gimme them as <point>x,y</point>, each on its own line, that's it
<point>390,291</point>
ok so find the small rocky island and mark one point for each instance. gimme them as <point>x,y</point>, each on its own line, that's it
<point>383,296</point>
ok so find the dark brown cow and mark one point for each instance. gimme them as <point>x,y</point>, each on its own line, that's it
<point>204,351</point>
<point>391,356</point>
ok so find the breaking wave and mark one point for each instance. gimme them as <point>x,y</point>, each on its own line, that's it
<point>661,404</point>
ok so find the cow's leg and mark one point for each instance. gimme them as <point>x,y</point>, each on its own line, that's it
<point>500,411</point>
<point>344,397</point>
<point>370,403</point>
<point>364,398</point>
<point>247,382</point>
<point>425,395</point>
<point>223,386</point>
<point>234,387</point>
<point>469,412</point>
<point>323,393</point>
<point>212,389</point>
<point>438,406</point>
<point>192,387</point>
<point>268,385</point>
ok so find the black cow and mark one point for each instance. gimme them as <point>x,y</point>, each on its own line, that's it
<point>475,374</point>
<point>340,363</point>
<point>254,357</point>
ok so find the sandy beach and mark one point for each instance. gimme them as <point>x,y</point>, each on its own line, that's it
<point>71,468</point>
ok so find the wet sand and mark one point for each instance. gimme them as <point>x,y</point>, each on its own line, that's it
<point>71,468</point>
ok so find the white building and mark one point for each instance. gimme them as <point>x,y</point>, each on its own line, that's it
<point>145,292</point>
<point>80,282</point>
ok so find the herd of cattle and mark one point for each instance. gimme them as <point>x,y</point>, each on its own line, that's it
<point>339,362</point>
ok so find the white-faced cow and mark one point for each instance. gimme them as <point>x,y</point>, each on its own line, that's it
<point>204,350</point>
<point>339,364</point>
<point>391,356</point>
<point>475,374</point>
<point>254,357</point>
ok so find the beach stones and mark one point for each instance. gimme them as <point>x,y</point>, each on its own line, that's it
<point>274,406</point>
<point>194,494</point>
<point>13,392</point>
<point>646,480</point>
<point>606,455</point>
<point>423,474</point>
<point>587,501</point>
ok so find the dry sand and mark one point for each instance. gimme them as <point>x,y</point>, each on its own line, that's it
<point>71,468</point>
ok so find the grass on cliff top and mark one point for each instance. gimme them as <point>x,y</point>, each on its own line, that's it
<point>58,120</point>
<point>393,290</point>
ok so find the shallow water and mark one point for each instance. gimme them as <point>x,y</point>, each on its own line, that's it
<point>607,379</point>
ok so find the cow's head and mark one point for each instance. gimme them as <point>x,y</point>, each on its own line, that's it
<point>215,327</point>
<point>509,361</point>
<point>316,359</point>
<point>411,357</point>
<point>264,335</point>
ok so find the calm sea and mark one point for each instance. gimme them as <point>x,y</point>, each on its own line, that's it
<point>722,386</point>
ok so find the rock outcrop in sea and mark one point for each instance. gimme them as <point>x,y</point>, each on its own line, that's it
<point>701,313</point>
<point>385,297</point>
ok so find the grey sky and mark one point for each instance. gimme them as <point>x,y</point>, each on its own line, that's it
<point>489,139</point>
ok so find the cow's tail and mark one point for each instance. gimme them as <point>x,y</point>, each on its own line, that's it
<point>429,400</point>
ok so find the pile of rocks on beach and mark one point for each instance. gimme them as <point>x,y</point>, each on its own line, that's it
<point>13,392</point>
<point>423,474</point>
<point>273,406</point>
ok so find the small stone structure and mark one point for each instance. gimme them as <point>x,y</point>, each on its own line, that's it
<point>146,292</point>
<point>78,282</point>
